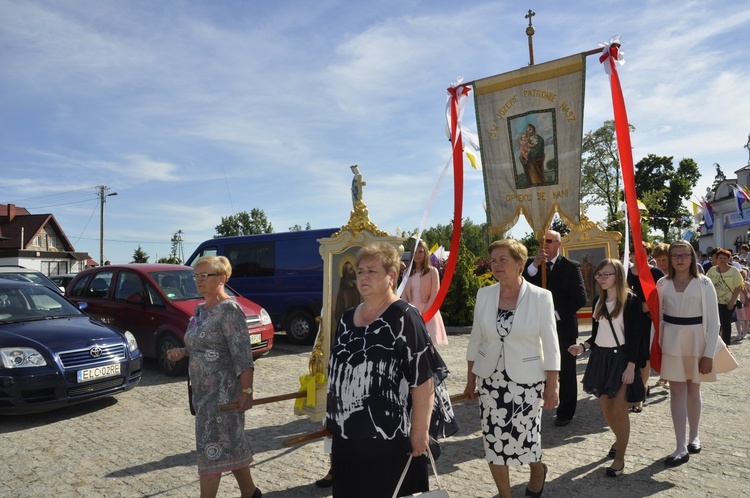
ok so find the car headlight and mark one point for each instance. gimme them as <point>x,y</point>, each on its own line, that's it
<point>21,358</point>
<point>265,318</point>
<point>132,343</point>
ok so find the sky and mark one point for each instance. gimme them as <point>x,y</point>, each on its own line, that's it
<point>195,110</point>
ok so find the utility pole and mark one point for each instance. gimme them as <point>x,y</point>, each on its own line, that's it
<point>102,200</point>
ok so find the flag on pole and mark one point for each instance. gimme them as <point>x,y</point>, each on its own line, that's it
<point>741,197</point>
<point>530,125</point>
<point>708,213</point>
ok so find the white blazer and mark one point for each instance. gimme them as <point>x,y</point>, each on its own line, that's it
<point>531,347</point>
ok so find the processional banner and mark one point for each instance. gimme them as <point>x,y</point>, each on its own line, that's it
<point>530,124</point>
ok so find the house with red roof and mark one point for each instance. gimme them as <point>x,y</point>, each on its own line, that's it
<point>36,241</point>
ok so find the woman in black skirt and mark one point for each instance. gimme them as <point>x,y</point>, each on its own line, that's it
<point>613,358</point>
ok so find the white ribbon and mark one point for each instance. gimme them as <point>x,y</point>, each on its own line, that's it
<point>607,54</point>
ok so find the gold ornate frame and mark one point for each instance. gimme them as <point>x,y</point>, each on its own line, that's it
<point>588,244</point>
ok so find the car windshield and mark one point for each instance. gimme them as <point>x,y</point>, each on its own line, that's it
<point>22,303</point>
<point>37,278</point>
<point>177,285</point>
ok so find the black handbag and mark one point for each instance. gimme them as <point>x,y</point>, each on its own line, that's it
<point>635,392</point>
<point>190,397</point>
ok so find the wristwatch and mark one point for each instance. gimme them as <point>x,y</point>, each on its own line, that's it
<point>248,390</point>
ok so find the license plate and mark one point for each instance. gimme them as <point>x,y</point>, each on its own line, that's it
<point>255,339</point>
<point>98,372</point>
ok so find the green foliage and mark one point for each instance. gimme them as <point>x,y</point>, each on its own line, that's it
<point>474,236</point>
<point>600,169</point>
<point>298,228</point>
<point>458,307</point>
<point>663,189</point>
<point>559,226</point>
<point>531,242</point>
<point>140,256</point>
<point>244,224</point>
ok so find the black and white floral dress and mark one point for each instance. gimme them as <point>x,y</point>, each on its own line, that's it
<point>370,376</point>
<point>510,413</point>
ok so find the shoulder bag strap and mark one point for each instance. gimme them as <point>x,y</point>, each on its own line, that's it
<point>609,319</point>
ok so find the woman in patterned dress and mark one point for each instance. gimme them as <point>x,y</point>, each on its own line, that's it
<point>221,372</point>
<point>384,382</point>
<point>617,310</point>
<point>513,360</point>
<point>421,290</point>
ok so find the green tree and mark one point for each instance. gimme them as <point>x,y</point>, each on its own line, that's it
<point>244,224</point>
<point>175,252</point>
<point>473,235</point>
<point>298,228</point>
<point>458,306</point>
<point>600,169</point>
<point>663,189</point>
<point>140,256</point>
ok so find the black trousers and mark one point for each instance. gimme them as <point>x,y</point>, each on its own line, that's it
<point>568,380</point>
<point>726,317</point>
<point>371,468</point>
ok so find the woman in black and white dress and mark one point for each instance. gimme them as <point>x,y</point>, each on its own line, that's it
<point>386,396</point>
<point>513,360</point>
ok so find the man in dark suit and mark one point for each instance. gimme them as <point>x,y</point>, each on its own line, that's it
<point>565,281</point>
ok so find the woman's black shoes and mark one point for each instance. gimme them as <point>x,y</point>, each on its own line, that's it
<point>537,494</point>
<point>694,448</point>
<point>325,483</point>
<point>676,461</point>
<point>257,493</point>
<point>613,472</point>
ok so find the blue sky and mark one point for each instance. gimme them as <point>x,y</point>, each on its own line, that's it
<point>194,110</point>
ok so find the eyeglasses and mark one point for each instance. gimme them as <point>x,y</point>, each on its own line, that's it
<point>604,275</point>
<point>680,256</point>
<point>203,276</point>
<point>550,241</point>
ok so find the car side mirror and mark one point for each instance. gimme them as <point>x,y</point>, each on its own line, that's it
<point>83,305</point>
<point>134,299</point>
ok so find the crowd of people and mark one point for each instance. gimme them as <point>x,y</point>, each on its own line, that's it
<point>387,405</point>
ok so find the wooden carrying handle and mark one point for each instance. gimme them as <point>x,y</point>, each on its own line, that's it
<point>263,401</point>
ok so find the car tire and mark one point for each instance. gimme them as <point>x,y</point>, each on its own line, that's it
<point>300,327</point>
<point>171,368</point>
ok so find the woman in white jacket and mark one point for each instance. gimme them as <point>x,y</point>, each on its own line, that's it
<point>513,360</point>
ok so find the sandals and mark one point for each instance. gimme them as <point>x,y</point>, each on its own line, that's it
<point>636,409</point>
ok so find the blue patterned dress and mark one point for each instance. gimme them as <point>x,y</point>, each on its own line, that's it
<point>220,350</point>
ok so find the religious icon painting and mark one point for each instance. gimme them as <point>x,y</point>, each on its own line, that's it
<point>533,140</point>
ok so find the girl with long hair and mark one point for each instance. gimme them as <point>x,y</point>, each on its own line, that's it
<point>422,288</point>
<point>614,343</point>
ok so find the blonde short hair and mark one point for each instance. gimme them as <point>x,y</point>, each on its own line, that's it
<point>219,264</point>
<point>385,252</point>
<point>517,250</point>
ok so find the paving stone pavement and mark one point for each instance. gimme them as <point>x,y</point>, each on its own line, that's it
<point>141,443</point>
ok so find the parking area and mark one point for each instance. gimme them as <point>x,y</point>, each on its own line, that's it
<point>140,444</point>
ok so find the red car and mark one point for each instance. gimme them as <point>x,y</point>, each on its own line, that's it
<point>155,302</point>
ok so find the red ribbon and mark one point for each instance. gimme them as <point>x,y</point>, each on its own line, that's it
<point>622,129</point>
<point>458,196</point>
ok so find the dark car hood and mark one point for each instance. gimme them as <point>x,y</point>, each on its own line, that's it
<point>56,334</point>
